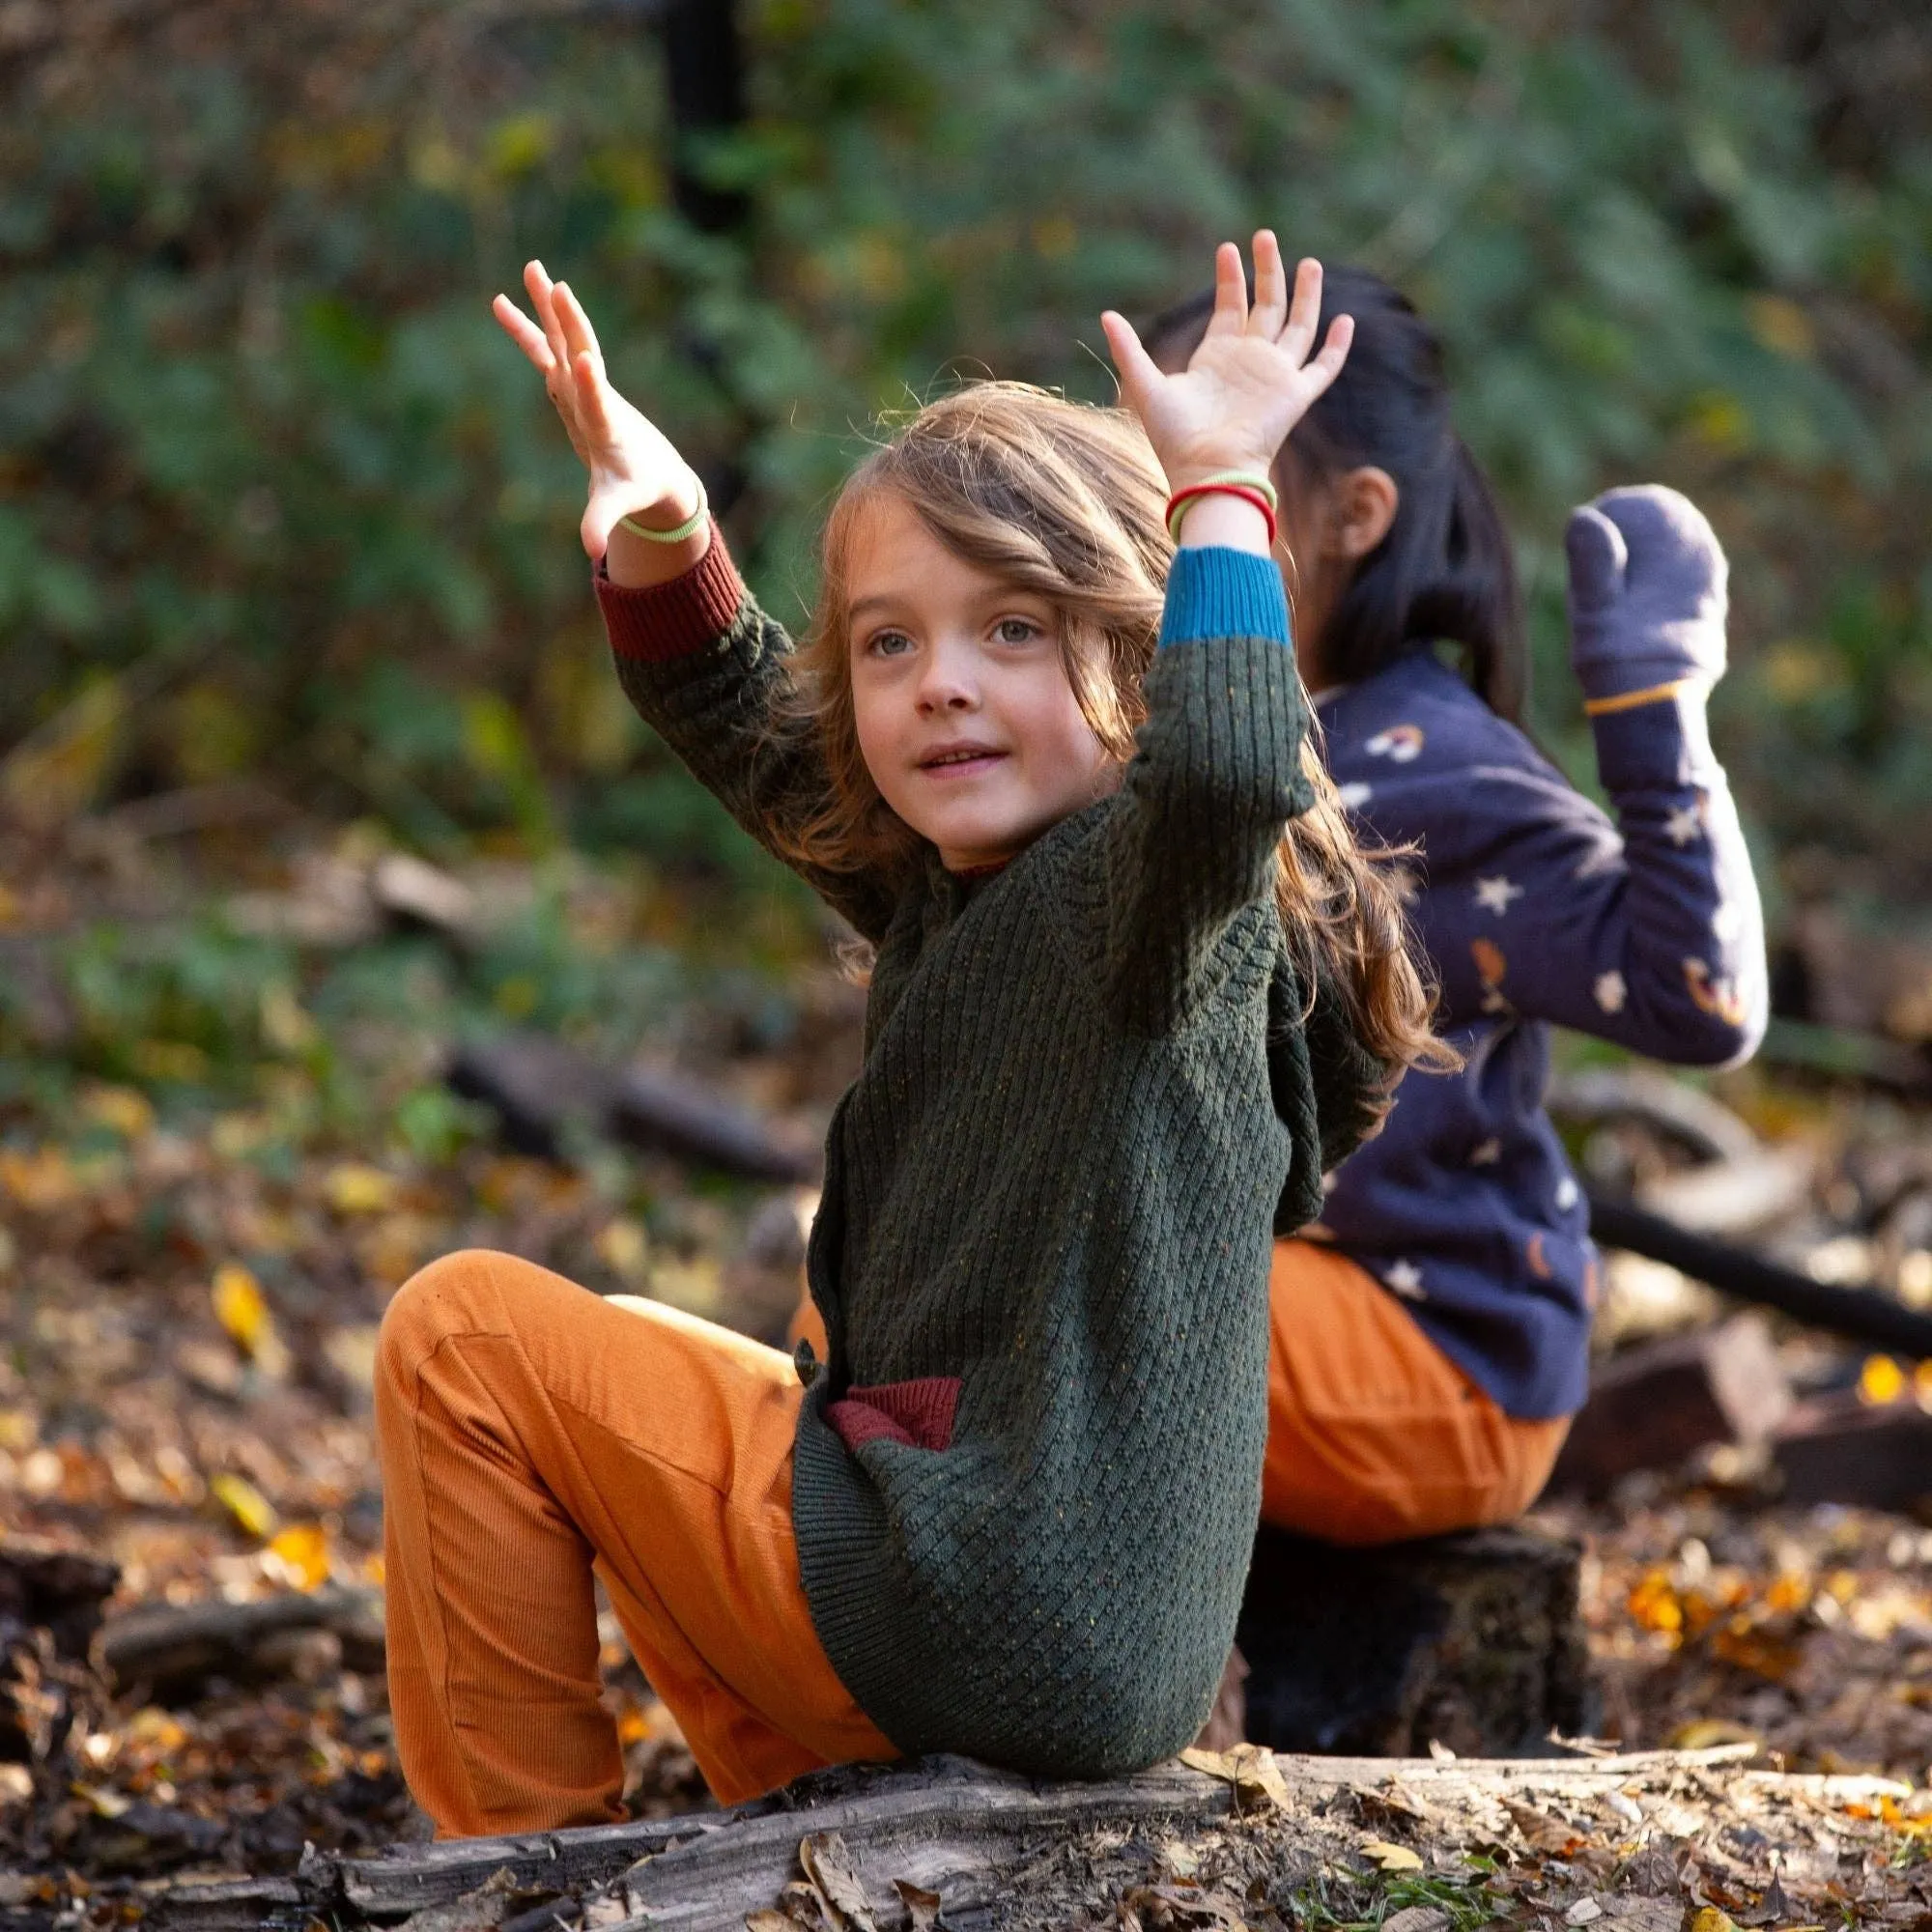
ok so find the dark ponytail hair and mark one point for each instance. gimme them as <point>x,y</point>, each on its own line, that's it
<point>1444,570</point>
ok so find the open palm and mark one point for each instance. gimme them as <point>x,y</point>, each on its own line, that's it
<point>633,469</point>
<point>1251,379</point>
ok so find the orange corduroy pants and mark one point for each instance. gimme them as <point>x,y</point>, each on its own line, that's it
<point>530,1430</point>
<point>531,1433</point>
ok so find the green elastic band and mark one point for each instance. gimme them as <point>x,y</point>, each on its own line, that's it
<point>690,528</point>
<point>1247,477</point>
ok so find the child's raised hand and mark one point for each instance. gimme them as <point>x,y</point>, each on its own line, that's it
<point>635,472</point>
<point>1647,592</point>
<point>1250,382</point>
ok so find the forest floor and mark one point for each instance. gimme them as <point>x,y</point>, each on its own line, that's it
<point>196,1257</point>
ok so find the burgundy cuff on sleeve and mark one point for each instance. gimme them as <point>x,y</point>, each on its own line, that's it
<point>673,620</point>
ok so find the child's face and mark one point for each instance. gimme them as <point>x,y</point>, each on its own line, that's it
<point>966,719</point>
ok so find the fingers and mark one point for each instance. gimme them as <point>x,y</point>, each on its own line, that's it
<point>593,410</point>
<point>542,292</point>
<point>1270,309</point>
<point>578,334</point>
<point>1230,293</point>
<point>1140,375</point>
<point>1334,352</point>
<point>525,333</point>
<point>1304,315</point>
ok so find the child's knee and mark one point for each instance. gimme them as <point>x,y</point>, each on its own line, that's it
<point>443,1298</point>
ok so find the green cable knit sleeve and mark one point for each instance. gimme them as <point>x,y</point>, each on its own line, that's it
<point>1216,776</point>
<point>708,669</point>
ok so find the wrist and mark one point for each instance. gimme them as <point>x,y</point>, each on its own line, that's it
<point>676,505</point>
<point>662,540</point>
<point>1224,522</point>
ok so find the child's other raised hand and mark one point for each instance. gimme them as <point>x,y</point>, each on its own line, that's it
<point>1647,593</point>
<point>1251,379</point>
<point>635,472</point>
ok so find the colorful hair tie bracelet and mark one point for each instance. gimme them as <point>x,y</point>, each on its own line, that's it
<point>1254,490</point>
<point>690,528</point>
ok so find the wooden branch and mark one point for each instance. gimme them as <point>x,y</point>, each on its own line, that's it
<point>1857,1314</point>
<point>1652,1405</point>
<point>43,1586</point>
<point>174,1648</point>
<point>941,1824</point>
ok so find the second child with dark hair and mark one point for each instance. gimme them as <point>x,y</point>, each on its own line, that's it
<point>1430,1332</point>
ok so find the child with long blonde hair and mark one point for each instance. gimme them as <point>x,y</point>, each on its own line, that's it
<point>1132,990</point>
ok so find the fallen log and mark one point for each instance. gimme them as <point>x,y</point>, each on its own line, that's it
<point>941,1824</point>
<point>1844,1451</point>
<point>174,1649</point>
<point>60,1591</point>
<point>1858,1314</point>
<point>1652,1405</point>
<point>544,1091</point>
<point>888,1847</point>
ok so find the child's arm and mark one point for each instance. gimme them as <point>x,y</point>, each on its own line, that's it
<point>1652,939</point>
<point>1218,769</point>
<point>695,654</point>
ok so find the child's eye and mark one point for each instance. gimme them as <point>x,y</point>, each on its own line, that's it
<point>888,643</point>
<point>1016,630</point>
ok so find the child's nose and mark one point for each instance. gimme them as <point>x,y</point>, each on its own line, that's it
<point>948,684</point>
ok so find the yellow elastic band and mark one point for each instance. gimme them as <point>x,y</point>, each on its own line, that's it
<point>690,528</point>
<point>1629,701</point>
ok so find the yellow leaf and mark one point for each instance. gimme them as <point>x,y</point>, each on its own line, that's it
<point>624,1248</point>
<point>245,1503</point>
<point>41,1180</point>
<point>238,1305</point>
<point>1256,1773</point>
<point>356,1188</point>
<point>1708,1919</point>
<point>300,1555</point>
<point>1881,1381</point>
<point>124,1109</point>
<point>1392,1858</point>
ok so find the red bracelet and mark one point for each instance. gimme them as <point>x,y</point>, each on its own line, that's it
<point>1249,493</point>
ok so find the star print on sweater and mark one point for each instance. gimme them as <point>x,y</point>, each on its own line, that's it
<point>1406,1279</point>
<point>1534,909</point>
<point>1402,743</point>
<point>1684,825</point>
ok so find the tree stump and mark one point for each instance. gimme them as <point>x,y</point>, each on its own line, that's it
<point>1472,1641</point>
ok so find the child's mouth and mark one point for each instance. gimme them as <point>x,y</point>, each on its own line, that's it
<point>966,761</point>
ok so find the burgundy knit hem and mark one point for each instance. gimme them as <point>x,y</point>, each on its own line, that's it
<point>917,1414</point>
<point>672,620</point>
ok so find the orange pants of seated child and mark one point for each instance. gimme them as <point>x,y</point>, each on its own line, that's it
<point>531,1433</point>
<point>530,1430</point>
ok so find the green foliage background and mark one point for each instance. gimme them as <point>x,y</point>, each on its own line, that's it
<point>275,496</point>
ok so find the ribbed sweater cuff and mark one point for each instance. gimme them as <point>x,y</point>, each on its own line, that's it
<point>673,620</point>
<point>1216,592</point>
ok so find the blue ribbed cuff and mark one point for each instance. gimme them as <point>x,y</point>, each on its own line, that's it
<point>1216,592</point>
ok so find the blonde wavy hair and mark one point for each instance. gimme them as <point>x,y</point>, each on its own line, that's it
<point>1065,500</point>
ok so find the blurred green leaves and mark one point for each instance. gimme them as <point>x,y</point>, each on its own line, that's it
<point>262,451</point>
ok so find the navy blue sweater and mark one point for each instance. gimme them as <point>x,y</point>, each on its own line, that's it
<point>1534,909</point>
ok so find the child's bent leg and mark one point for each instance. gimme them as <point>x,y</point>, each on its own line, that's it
<point>527,1427</point>
<point>1373,1434</point>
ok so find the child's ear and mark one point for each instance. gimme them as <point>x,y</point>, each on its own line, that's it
<point>1363,505</point>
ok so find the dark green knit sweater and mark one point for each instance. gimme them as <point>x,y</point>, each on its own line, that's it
<point>1028,1479</point>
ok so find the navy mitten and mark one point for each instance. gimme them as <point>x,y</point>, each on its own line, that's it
<point>1647,601</point>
